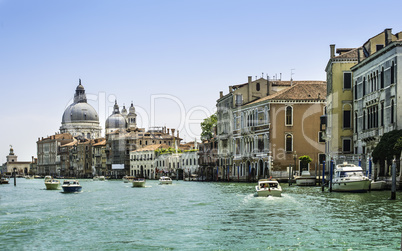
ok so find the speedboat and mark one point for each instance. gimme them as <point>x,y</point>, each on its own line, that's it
<point>138,182</point>
<point>350,178</point>
<point>164,180</point>
<point>71,186</point>
<point>28,177</point>
<point>52,184</point>
<point>305,179</point>
<point>99,178</point>
<point>128,179</point>
<point>268,187</point>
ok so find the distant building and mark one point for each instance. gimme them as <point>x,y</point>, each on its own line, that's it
<point>21,167</point>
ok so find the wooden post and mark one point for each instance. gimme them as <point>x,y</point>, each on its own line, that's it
<point>323,176</point>
<point>15,177</point>
<point>330,175</point>
<point>393,188</point>
<point>290,175</point>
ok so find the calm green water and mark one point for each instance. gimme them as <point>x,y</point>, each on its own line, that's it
<point>112,215</point>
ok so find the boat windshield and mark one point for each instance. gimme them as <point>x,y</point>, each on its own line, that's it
<point>270,185</point>
<point>350,174</point>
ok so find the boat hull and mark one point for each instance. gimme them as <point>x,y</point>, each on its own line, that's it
<point>265,192</point>
<point>52,186</point>
<point>165,182</point>
<point>72,189</point>
<point>310,181</point>
<point>361,186</point>
<point>139,183</point>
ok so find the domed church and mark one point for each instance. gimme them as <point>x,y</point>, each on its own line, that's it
<point>80,118</point>
<point>121,121</point>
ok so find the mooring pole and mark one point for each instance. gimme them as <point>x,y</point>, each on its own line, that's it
<point>290,173</point>
<point>323,176</point>
<point>330,175</point>
<point>15,177</point>
<point>393,188</point>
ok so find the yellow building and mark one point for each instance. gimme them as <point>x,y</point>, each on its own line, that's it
<point>339,126</point>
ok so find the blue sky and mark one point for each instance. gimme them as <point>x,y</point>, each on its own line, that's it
<point>178,53</point>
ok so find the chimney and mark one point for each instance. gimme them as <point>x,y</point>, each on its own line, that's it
<point>168,131</point>
<point>249,89</point>
<point>173,131</point>
<point>388,36</point>
<point>230,89</point>
<point>178,133</point>
<point>220,94</point>
<point>332,46</point>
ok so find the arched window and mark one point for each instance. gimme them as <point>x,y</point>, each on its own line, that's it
<point>392,111</point>
<point>257,87</point>
<point>289,143</point>
<point>289,116</point>
<point>382,77</point>
<point>392,73</point>
<point>356,122</point>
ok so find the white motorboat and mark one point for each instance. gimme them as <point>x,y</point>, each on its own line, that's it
<point>305,179</point>
<point>98,178</point>
<point>71,186</point>
<point>139,182</point>
<point>378,185</point>
<point>164,180</point>
<point>268,187</point>
<point>128,179</point>
<point>350,178</point>
<point>52,184</point>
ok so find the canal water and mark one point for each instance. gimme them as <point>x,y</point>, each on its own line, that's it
<point>112,215</point>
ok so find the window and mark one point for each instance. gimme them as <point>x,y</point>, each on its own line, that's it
<point>379,47</point>
<point>356,121</point>
<point>288,143</point>
<point>364,86</point>
<point>356,90</point>
<point>364,120</point>
<point>239,99</point>
<point>392,111</point>
<point>257,87</point>
<point>382,78</point>
<point>288,114</point>
<point>346,145</point>
<point>320,136</point>
<point>346,119</point>
<point>392,73</point>
<point>382,114</point>
<point>347,80</point>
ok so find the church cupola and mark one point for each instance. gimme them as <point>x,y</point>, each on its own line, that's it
<point>79,96</point>
<point>132,117</point>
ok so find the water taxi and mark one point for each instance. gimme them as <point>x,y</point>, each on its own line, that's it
<point>4,181</point>
<point>52,184</point>
<point>128,179</point>
<point>164,180</point>
<point>71,186</point>
<point>350,178</point>
<point>139,182</point>
<point>268,187</point>
<point>305,179</point>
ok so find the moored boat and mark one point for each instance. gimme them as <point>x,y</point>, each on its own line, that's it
<point>165,180</point>
<point>305,179</point>
<point>378,185</point>
<point>139,182</point>
<point>268,187</point>
<point>52,184</point>
<point>71,186</point>
<point>350,178</point>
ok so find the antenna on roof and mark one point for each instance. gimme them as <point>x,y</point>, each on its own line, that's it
<point>291,78</point>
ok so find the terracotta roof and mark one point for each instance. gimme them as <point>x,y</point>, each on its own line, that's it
<point>100,143</point>
<point>306,91</point>
<point>151,148</point>
<point>352,53</point>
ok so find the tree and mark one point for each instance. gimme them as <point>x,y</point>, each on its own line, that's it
<point>304,160</point>
<point>207,126</point>
<point>389,146</point>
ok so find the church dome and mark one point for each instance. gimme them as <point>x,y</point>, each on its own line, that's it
<point>80,112</point>
<point>116,120</point>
